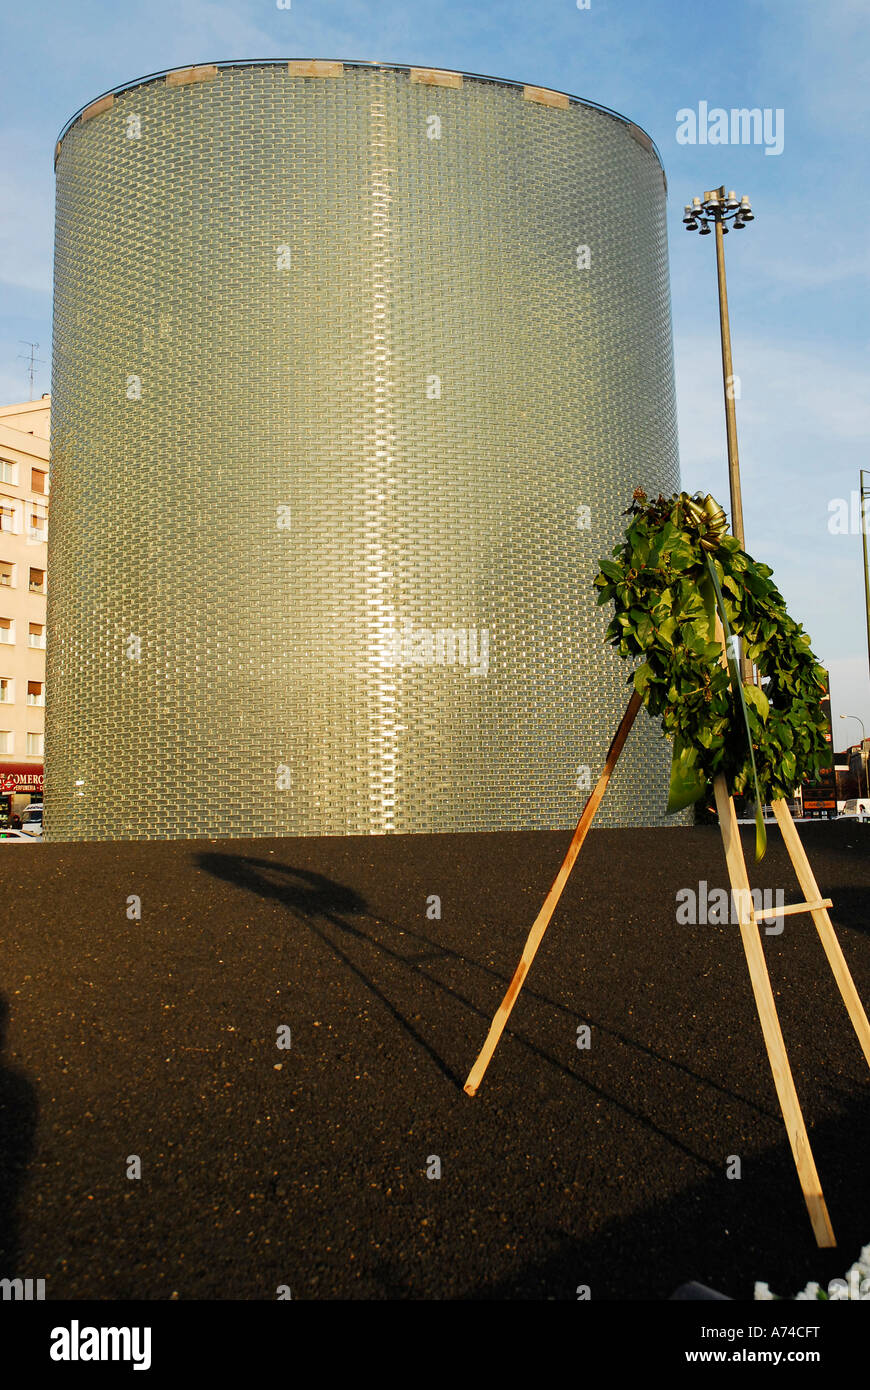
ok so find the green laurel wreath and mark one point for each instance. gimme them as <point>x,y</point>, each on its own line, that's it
<point>676,567</point>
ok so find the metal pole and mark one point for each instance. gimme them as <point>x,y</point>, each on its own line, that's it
<point>728,378</point>
<point>862,759</point>
<point>863,531</point>
<point>730,413</point>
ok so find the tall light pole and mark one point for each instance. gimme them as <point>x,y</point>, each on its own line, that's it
<point>720,209</point>
<point>865,506</point>
<point>861,755</point>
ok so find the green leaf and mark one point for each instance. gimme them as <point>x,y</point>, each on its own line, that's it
<point>755,696</point>
<point>681,557</point>
<point>663,604</point>
<point>642,677</point>
<point>694,640</point>
<point>665,615</point>
<point>687,781</point>
<point>737,685</point>
<point>614,572</point>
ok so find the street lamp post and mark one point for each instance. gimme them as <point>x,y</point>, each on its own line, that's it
<point>862,755</point>
<point>720,209</point>
<point>865,506</point>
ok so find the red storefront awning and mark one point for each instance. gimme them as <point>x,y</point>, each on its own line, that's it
<point>20,777</point>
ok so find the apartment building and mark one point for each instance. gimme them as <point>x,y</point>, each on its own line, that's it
<point>24,484</point>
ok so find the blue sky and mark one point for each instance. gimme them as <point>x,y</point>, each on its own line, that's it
<point>798,276</point>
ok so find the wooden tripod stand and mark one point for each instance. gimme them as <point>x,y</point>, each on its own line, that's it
<point>749,921</point>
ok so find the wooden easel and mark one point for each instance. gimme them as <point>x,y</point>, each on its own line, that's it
<point>749,921</point>
<point>773,1039</point>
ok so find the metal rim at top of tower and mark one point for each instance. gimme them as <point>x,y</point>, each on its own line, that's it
<point>540,94</point>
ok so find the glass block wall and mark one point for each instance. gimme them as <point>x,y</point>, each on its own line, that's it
<point>355,370</point>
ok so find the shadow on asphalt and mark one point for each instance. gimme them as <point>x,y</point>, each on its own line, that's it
<point>313,896</point>
<point>638,1258</point>
<point>19,1110</point>
<point>850,907</point>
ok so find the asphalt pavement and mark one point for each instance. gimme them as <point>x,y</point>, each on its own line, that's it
<point>350,1164</point>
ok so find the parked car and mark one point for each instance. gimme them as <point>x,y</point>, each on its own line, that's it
<point>17,837</point>
<point>858,806</point>
<point>31,821</point>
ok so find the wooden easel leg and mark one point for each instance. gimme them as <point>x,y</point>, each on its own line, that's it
<point>542,921</point>
<point>824,926</point>
<point>764,1001</point>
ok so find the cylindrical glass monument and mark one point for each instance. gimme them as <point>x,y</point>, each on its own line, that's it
<point>356,368</point>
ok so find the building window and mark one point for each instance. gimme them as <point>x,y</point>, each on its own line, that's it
<point>8,472</point>
<point>7,514</point>
<point>7,573</point>
<point>36,526</point>
<point>7,690</point>
<point>34,743</point>
<point>37,581</point>
<point>6,741</point>
<point>35,693</point>
<point>36,634</point>
<point>37,480</point>
<point>7,631</point>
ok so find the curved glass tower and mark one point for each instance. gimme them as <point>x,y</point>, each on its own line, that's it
<point>356,368</point>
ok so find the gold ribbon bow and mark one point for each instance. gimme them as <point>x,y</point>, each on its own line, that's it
<point>709,519</point>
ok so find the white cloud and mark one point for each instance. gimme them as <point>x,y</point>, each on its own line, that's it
<point>793,400</point>
<point>812,271</point>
